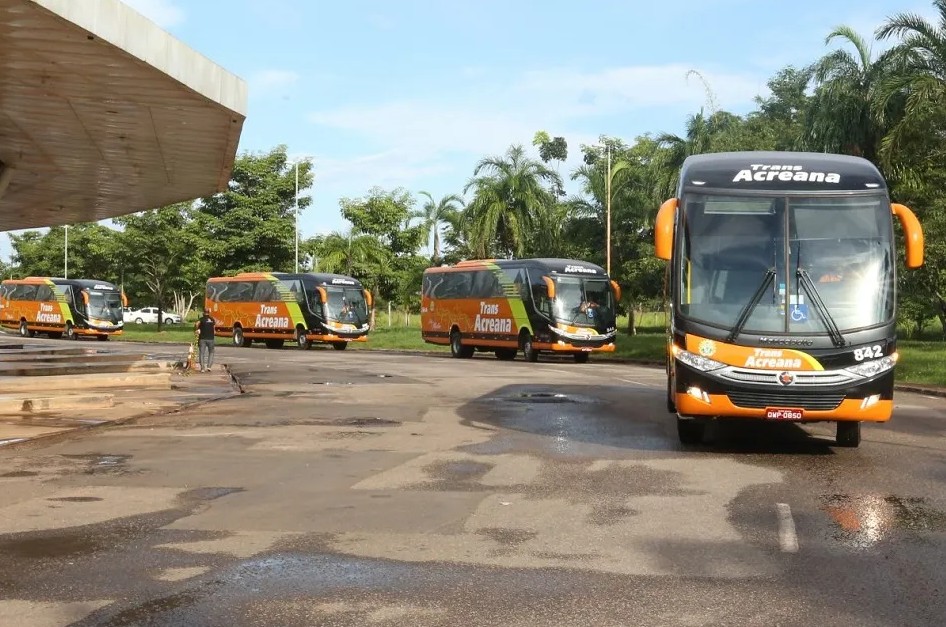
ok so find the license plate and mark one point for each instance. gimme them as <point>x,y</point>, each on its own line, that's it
<point>783,413</point>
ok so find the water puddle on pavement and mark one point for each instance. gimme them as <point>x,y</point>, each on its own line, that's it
<point>862,521</point>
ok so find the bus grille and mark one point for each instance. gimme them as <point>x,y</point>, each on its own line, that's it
<point>761,400</point>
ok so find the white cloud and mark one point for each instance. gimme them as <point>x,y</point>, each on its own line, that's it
<point>562,101</point>
<point>164,13</point>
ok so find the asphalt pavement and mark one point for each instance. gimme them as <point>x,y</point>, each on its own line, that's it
<point>356,487</point>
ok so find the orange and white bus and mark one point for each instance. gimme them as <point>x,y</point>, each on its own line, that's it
<point>562,306</point>
<point>62,307</point>
<point>274,307</point>
<point>782,285</point>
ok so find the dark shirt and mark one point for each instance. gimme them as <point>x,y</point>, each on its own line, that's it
<point>205,327</point>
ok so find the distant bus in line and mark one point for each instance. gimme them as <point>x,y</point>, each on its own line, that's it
<point>562,306</point>
<point>273,307</point>
<point>62,307</point>
<point>783,289</point>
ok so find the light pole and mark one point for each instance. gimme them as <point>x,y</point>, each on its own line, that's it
<point>65,255</point>
<point>608,228</point>
<point>297,217</point>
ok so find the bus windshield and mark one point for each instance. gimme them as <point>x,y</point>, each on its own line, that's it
<point>584,301</point>
<point>346,305</point>
<point>826,262</point>
<point>105,305</point>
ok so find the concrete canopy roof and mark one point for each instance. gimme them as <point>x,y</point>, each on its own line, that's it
<point>102,114</point>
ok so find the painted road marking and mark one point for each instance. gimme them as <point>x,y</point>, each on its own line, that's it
<point>787,539</point>
<point>643,385</point>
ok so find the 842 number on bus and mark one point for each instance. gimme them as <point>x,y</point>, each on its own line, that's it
<point>868,352</point>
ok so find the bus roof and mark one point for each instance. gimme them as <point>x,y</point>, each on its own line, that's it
<point>319,278</point>
<point>779,171</point>
<point>80,283</point>
<point>570,267</point>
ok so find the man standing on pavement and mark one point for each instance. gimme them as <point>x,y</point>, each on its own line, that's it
<point>204,329</point>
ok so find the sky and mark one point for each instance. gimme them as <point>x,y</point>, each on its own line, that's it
<point>412,93</point>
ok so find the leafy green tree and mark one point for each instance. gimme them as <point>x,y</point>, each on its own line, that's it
<point>511,194</point>
<point>154,247</point>
<point>90,255</point>
<point>251,226</point>
<point>384,216</point>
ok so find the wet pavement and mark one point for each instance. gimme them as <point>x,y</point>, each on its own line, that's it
<point>367,488</point>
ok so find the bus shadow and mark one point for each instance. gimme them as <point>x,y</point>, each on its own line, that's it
<point>580,420</point>
<point>750,437</point>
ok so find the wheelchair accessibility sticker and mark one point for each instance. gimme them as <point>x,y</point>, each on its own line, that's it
<point>799,313</point>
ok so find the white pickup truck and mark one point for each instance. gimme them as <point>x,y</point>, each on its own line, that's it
<point>149,315</point>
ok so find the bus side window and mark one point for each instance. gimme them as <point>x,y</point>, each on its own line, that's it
<point>24,292</point>
<point>45,293</point>
<point>265,292</point>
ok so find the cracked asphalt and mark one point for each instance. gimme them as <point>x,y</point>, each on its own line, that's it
<point>374,488</point>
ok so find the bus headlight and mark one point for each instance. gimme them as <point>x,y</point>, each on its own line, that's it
<point>873,368</point>
<point>699,362</point>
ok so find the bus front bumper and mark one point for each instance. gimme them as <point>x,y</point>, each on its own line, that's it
<point>700,395</point>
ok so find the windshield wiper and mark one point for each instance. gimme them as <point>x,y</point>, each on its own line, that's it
<point>809,286</point>
<point>751,305</point>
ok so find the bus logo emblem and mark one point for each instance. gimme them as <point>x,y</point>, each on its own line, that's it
<point>786,378</point>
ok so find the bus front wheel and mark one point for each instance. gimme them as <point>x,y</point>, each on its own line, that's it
<point>339,346</point>
<point>581,358</point>
<point>848,434</point>
<point>302,342</point>
<point>528,350</point>
<point>690,432</point>
<point>71,332</point>
<point>25,330</point>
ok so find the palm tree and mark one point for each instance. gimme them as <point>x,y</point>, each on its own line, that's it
<point>511,195</point>
<point>845,116</point>
<point>346,252</point>
<point>700,131</point>
<point>434,216</point>
<point>920,79</point>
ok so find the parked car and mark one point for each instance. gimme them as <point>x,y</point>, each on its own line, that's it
<point>149,315</point>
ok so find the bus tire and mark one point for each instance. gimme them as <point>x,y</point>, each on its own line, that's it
<point>71,332</point>
<point>671,402</point>
<point>690,431</point>
<point>25,330</point>
<point>339,346</point>
<point>848,434</point>
<point>581,358</point>
<point>302,342</point>
<point>239,339</point>
<point>525,343</point>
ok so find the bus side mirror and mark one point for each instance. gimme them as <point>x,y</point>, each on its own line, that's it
<point>550,286</point>
<point>323,294</point>
<point>85,298</point>
<point>124,300</point>
<point>368,298</point>
<point>663,229</point>
<point>913,234</point>
<point>617,290</point>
